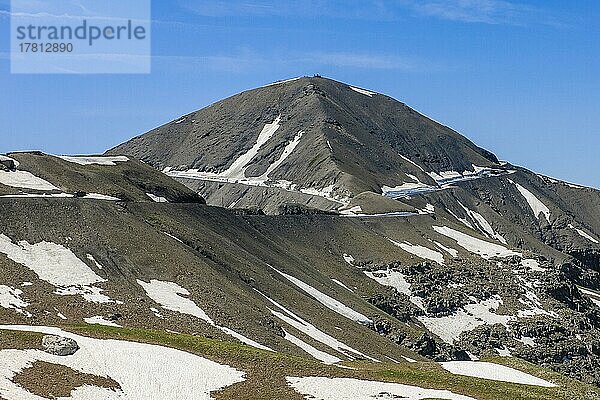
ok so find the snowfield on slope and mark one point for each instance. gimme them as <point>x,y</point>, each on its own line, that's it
<point>56,265</point>
<point>314,352</point>
<point>236,171</point>
<point>289,149</point>
<point>447,178</point>
<point>25,180</point>
<point>99,320</point>
<point>11,298</point>
<point>535,204</point>
<point>363,91</point>
<point>407,190</point>
<point>397,280</point>
<point>449,328</point>
<point>142,371</point>
<point>496,372</point>
<point>97,160</point>
<point>314,333</point>
<point>98,196</point>
<point>421,251</point>
<point>484,226</point>
<point>9,159</point>
<point>584,234</point>
<point>169,296</point>
<point>327,301</point>
<point>157,199</point>
<point>320,388</point>
<point>485,249</point>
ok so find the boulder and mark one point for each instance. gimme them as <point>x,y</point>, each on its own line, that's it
<point>59,346</point>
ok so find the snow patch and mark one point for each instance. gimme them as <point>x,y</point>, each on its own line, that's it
<point>527,341</point>
<point>291,146</point>
<point>352,211</point>
<point>321,388</point>
<point>348,258</point>
<point>391,278</point>
<point>484,226</point>
<point>157,199</point>
<point>421,251</point>
<point>6,158</point>
<point>97,196</point>
<point>10,298</point>
<point>174,237</point>
<point>412,162</point>
<point>584,234</point>
<point>25,180</point>
<point>313,332</point>
<point>38,196</point>
<point>99,320</point>
<point>238,167</point>
<point>464,221</point>
<point>314,352</point>
<point>449,328</point>
<point>329,145</point>
<point>97,160</point>
<point>283,81</point>
<point>533,303</point>
<point>532,264</point>
<point>447,178</point>
<point>594,297</point>
<point>236,171</point>
<point>504,352</point>
<point>495,372</point>
<point>56,265</point>
<point>534,203</point>
<point>363,91</point>
<point>396,280</point>
<point>169,296</point>
<point>327,301</point>
<point>342,285</point>
<point>407,189</point>
<point>92,259</point>
<point>143,371</point>
<point>449,250</point>
<point>485,249</point>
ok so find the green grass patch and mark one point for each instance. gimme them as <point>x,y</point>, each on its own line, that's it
<point>266,371</point>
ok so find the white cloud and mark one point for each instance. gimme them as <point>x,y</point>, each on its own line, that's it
<point>468,11</point>
<point>248,60</point>
<point>362,60</point>
<point>480,11</point>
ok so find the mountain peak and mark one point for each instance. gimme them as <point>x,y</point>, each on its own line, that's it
<point>307,135</point>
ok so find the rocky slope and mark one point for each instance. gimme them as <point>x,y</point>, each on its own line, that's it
<point>342,229</point>
<point>389,288</point>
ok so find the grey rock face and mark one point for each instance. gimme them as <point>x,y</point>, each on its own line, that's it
<point>59,346</point>
<point>7,164</point>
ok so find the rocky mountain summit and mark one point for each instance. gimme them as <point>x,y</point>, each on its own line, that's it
<point>298,237</point>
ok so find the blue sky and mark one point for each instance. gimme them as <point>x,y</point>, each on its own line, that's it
<point>519,78</point>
